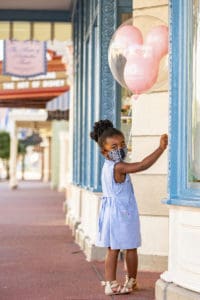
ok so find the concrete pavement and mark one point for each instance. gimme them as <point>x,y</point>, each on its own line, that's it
<point>38,257</point>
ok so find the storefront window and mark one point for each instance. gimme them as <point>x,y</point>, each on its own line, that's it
<point>194,107</point>
<point>126,106</point>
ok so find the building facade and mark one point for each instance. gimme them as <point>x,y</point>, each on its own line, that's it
<point>169,205</point>
<point>96,95</point>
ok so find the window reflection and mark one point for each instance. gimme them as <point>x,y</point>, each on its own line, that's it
<point>126,106</point>
<point>194,114</point>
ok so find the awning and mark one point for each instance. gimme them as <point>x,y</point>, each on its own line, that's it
<point>41,31</point>
<point>58,108</point>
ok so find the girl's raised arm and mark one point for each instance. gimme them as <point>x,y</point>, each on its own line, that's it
<point>124,168</point>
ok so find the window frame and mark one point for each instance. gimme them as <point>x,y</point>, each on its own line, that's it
<point>181,97</point>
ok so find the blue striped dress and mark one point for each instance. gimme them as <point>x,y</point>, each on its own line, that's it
<point>119,224</point>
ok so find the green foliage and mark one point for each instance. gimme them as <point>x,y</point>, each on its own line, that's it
<point>4,145</point>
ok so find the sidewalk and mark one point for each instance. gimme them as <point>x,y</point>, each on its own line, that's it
<point>38,257</point>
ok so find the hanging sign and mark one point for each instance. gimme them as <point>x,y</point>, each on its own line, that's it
<point>24,58</point>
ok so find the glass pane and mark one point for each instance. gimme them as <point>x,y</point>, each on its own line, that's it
<point>126,119</point>
<point>126,106</point>
<point>194,110</point>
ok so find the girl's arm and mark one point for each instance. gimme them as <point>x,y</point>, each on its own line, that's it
<point>124,168</point>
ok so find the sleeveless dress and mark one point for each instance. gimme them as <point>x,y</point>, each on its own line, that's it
<point>119,224</point>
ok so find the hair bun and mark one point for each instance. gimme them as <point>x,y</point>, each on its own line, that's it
<point>99,127</point>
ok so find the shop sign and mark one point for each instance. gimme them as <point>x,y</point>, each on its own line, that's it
<point>24,58</point>
<point>34,84</point>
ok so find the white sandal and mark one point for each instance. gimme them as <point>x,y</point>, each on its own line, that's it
<point>129,285</point>
<point>113,288</point>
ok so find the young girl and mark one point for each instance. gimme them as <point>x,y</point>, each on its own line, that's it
<point>119,225</point>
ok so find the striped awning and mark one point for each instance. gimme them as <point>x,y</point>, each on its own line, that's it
<point>58,108</point>
<point>41,31</point>
<point>59,103</point>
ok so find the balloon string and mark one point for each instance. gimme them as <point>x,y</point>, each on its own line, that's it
<point>136,96</point>
<point>129,138</point>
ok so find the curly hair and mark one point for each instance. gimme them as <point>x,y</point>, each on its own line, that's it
<point>102,130</point>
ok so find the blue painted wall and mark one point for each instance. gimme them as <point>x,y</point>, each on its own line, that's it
<point>11,15</point>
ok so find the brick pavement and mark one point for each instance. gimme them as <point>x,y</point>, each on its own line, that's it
<point>38,257</point>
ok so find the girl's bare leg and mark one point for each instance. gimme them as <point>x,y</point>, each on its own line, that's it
<point>131,262</point>
<point>111,264</point>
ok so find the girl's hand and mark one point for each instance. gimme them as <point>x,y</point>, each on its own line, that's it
<point>123,168</point>
<point>163,141</point>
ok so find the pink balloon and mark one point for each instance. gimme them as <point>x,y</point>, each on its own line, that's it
<point>141,72</point>
<point>128,35</point>
<point>145,50</point>
<point>158,39</point>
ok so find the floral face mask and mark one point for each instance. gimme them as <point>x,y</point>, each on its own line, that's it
<point>118,154</point>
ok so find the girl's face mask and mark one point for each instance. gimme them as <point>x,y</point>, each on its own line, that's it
<point>118,154</point>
